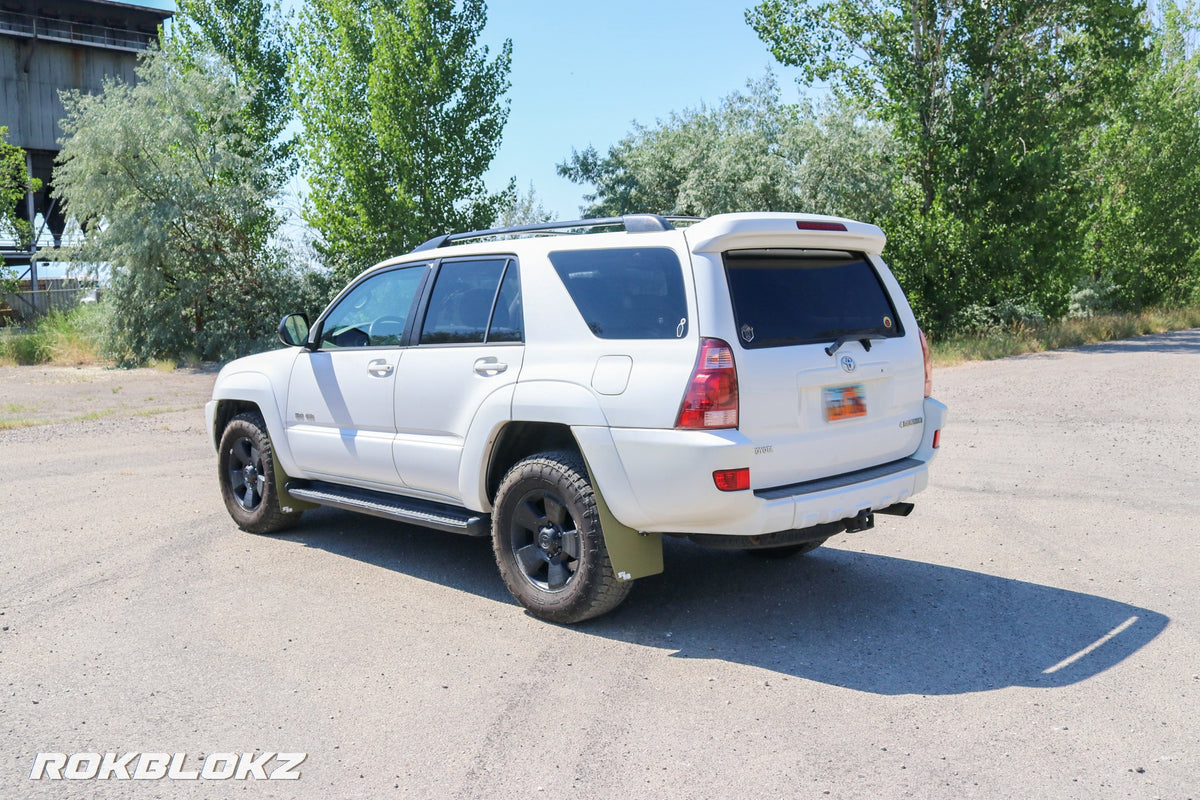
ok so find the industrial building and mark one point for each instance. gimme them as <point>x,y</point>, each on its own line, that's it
<point>48,46</point>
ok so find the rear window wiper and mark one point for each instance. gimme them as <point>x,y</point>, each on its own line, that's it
<point>864,338</point>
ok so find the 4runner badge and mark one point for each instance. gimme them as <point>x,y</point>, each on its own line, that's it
<point>747,333</point>
<point>848,364</point>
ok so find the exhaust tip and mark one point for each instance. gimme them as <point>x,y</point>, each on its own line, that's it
<point>897,509</point>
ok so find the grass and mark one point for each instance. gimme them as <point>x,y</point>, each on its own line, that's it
<point>69,338</point>
<point>32,422</point>
<point>1023,339</point>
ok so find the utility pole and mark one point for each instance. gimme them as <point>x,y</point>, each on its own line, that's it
<point>29,214</point>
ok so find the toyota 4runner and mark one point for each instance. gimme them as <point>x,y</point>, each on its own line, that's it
<point>576,391</point>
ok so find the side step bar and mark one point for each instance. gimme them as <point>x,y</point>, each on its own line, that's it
<point>425,513</point>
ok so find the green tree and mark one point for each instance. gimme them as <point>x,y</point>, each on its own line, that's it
<point>749,153</point>
<point>1143,237</point>
<point>402,112</point>
<point>522,209</point>
<point>176,191</point>
<point>15,185</point>
<point>252,36</point>
<point>990,102</point>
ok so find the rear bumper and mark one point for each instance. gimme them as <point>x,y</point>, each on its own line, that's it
<point>843,496</point>
<point>660,481</point>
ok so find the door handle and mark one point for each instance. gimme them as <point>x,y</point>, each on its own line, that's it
<point>489,366</point>
<point>379,368</point>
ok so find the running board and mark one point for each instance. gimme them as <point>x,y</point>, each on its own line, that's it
<point>425,513</point>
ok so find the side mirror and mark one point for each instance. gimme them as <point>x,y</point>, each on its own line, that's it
<point>293,330</point>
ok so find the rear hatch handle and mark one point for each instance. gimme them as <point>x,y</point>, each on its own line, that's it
<point>862,337</point>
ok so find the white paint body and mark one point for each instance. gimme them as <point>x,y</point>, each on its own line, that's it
<point>427,427</point>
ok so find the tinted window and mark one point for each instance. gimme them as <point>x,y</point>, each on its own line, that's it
<point>375,312</point>
<point>628,293</point>
<point>507,321</point>
<point>786,297</point>
<point>461,303</point>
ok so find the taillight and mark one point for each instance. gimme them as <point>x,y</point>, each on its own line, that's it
<point>928,364</point>
<point>711,400</point>
<point>732,480</point>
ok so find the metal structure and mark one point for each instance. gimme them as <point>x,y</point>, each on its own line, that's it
<point>47,46</point>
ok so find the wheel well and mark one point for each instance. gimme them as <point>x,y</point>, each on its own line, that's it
<point>520,440</point>
<point>227,410</point>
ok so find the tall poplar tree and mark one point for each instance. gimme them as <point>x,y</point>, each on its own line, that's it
<point>402,112</point>
<point>253,37</point>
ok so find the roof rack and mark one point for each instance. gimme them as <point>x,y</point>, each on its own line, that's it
<point>632,223</point>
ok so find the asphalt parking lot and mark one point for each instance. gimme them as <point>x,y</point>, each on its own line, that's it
<point>1031,631</point>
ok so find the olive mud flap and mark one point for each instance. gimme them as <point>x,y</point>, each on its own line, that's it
<point>633,554</point>
<point>288,503</point>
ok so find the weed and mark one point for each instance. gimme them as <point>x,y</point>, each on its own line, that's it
<point>1031,337</point>
<point>69,338</point>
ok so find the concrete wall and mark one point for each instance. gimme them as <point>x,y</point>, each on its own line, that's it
<point>32,71</point>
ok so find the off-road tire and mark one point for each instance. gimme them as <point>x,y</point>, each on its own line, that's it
<point>548,541</point>
<point>787,551</point>
<point>246,472</point>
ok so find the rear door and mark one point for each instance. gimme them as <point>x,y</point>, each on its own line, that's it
<point>831,377</point>
<point>466,357</point>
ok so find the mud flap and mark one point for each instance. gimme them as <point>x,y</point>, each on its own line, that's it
<point>633,554</point>
<point>287,503</point>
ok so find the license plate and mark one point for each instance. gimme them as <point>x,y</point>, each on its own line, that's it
<point>844,402</point>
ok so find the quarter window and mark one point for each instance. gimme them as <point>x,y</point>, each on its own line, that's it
<point>626,293</point>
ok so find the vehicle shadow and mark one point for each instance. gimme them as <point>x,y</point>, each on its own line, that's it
<point>462,562</point>
<point>882,624</point>
<point>867,622</point>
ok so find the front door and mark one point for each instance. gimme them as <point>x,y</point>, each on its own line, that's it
<point>340,404</point>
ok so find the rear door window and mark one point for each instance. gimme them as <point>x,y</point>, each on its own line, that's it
<point>508,323</point>
<point>792,297</point>
<point>460,305</point>
<point>626,293</point>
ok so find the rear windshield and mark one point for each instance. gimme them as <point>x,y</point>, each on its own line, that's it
<point>790,297</point>
<point>626,293</point>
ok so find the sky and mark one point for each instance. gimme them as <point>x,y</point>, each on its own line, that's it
<point>583,72</point>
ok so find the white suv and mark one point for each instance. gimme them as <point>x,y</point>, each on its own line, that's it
<point>578,390</point>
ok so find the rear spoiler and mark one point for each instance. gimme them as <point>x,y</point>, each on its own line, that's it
<point>739,231</point>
